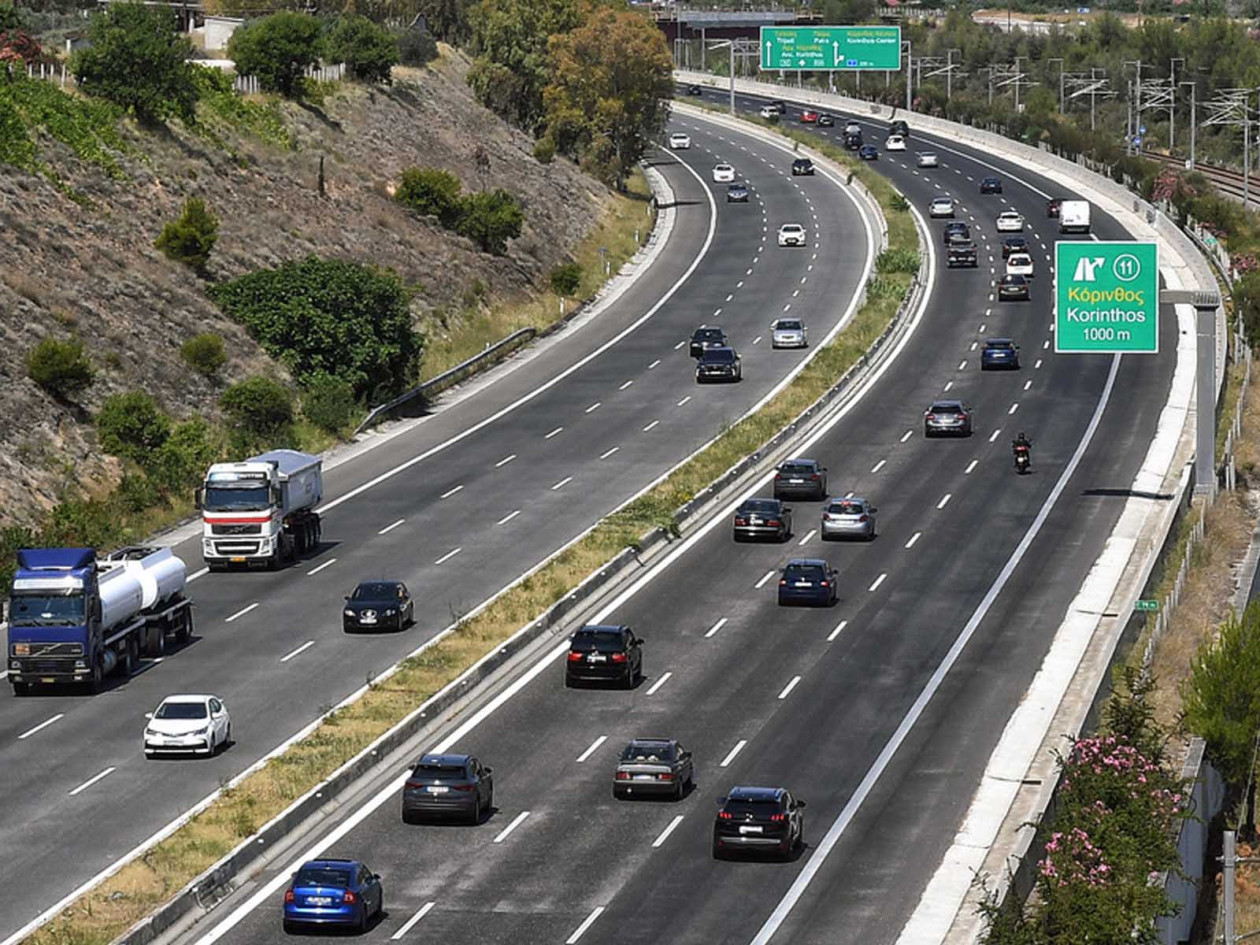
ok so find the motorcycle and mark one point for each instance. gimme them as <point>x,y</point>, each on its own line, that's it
<point>1023,459</point>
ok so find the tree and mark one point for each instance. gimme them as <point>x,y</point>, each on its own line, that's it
<point>608,97</point>
<point>132,426</point>
<point>138,59</point>
<point>431,192</point>
<point>1222,695</point>
<point>258,409</point>
<point>325,316</point>
<point>205,353</point>
<point>509,41</point>
<point>490,219</point>
<point>11,18</point>
<point>446,20</point>
<point>190,238</point>
<point>368,50</point>
<point>277,50</point>
<point>59,367</point>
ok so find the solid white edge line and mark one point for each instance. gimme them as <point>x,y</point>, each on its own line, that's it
<point>670,828</point>
<point>507,831</point>
<point>877,768</point>
<point>42,725</point>
<point>92,780</point>
<point>594,748</point>
<point>660,682</point>
<point>586,924</point>
<point>410,923</point>
<point>730,756</point>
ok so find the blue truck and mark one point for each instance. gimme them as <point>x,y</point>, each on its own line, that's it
<point>75,618</point>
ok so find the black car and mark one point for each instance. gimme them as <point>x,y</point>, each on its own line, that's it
<point>853,140</point>
<point>955,229</point>
<point>825,120</point>
<point>376,605</point>
<point>868,152</point>
<point>706,337</point>
<point>947,418</point>
<point>653,766</point>
<point>999,354</point>
<point>604,653</point>
<point>762,518</point>
<point>779,105</point>
<point>1053,205</point>
<point>448,785</point>
<point>991,185</point>
<point>808,581</point>
<point>694,90</point>
<point>756,819</point>
<point>899,128</point>
<point>803,166</point>
<point>1012,287</point>
<point>719,364</point>
<point>961,252</point>
<point>737,193</point>
<point>1014,244</point>
<point>801,478</point>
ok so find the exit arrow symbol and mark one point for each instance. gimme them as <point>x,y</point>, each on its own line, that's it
<point>835,53</point>
<point>768,57</point>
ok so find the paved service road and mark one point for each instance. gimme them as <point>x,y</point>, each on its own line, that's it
<point>507,477</point>
<point>801,698</point>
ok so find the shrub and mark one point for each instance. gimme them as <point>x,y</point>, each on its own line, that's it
<point>490,219</point>
<point>324,316</point>
<point>900,203</point>
<point>190,238</point>
<point>897,260</point>
<point>415,47</point>
<point>1222,700</point>
<point>136,492</point>
<point>132,426</point>
<point>431,192</point>
<point>177,466</point>
<point>329,403</point>
<point>205,354</point>
<point>59,367</point>
<point>545,150</point>
<point>258,408</point>
<point>277,49</point>
<point>566,279</point>
<point>368,50</point>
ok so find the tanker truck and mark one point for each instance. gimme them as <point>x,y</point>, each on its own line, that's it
<point>76,618</point>
<point>260,511</point>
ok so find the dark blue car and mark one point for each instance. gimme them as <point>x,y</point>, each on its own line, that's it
<point>868,152</point>
<point>808,581</point>
<point>999,354</point>
<point>333,892</point>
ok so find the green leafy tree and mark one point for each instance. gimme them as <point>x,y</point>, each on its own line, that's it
<point>1222,695</point>
<point>138,59</point>
<point>277,50</point>
<point>176,467</point>
<point>446,20</point>
<point>566,279</point>
<point>368,50</point>
<point>258,409</point>
<point>190,238</point>
<point>330,404</point>
<point>325,316</point>
<point>490,219</point>
<point>205,354</point>
<point>60,367</point>
<point>11,18</point>
<point>415,47</point>
<point>132,426</point>
<point>431,192</point>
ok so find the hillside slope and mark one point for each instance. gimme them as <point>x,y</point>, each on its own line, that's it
<point>77,256</point>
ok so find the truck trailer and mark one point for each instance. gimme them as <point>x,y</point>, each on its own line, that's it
<point>260,511</point>
<point>76,618</point>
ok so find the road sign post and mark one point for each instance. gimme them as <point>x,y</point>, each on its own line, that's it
<point>831,48</point>
<point>1106,298</point>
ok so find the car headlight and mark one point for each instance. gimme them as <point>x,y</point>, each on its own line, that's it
<point>149,733</point>
<point>349,613</point>
<point>390,612</point>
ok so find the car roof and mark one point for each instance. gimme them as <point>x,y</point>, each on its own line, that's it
<point>329,861</point>
<point>707,328</point>
<point>946,403</point>
<point>744,793</point>
<point>806,563</point>
<point>443,759</point>
<point>189,697</point>
<point>791,226</point>
<point>804,461</point>
<point>853,498</point>
<point>718,350</point>
<point>1014,277</point>
<point>602,628</point>
<point>720,164</point>
<point>651,741</point>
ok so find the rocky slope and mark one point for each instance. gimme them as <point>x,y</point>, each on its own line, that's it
<point>89,269</point>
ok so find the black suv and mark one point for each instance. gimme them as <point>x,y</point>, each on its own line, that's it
<point>376,605</point>
<point>694,90</point>
<point>604,653</point>
<point>808,581</point>
<point>719,364</point>
<point>955,229</point>
<point>801,479</point>
<point>757,819</point>
<point>802,166</point>
<point>706,337</point>
<point>961,252</point>
<point>1014,244</point>
<point>991,185</point>
<point>852,140</point>
<point>762,518</point>
<point>899,128</point>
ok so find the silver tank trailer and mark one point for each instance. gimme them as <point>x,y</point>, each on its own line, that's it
<point>135,580</point>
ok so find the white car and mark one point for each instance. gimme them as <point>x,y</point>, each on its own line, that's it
<point>1010,222</point>
<point>926,159</point>
<point>852,128</point>
<point>1019,264</point>
<point>895,143</point>
<point>769,113</point>
<point>791,234</point>
<point>679,141</point>
<point>187,725</point>
<point>787,333</point>
<point>941,207</point>
<point>724,174</point>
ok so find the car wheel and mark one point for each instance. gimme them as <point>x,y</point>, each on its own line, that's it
<point>289,928</point>
<point>618,793</point>
<point>363,920</point>
<point>380,905</point>
<point>718,852</point>
<point>678,791</point>
<point>475,817</point>
<point>407,817</point>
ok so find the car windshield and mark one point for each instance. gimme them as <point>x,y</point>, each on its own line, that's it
<point>797,469</point>
<point>764,506</point>
<point>253,498</point>
<point>735,187</point>
<point>1013,280</point>
<point>741,806</point>
<point>322,876</point>
<point>653,751</point>
<point>46,609</point>
<point>792,228</point>
<point>375,590</point>
<point>845,508</point>
<point>429,770</point>
<point>720,356</point>
<point>788,324</point>
<point>998,345</point>
<point>707,334</point>
<point>603,641</point>
<point>810,572</point>
<point>946,408</point>
<point>181,710</point>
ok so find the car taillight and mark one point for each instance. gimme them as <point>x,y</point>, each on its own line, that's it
<point>741,521</point>
<point>724,815</point>
<point>623,775</point>
<point>931,416</point>
<point>782,582</point>
<point>288,896</point>
<point>775,522</point>
<point>861,518</point>
<point>824,584</point>
<point>574,657</point>
<point>462,787</point>
<point>619,657</point>
<point>778,818</point>
<point>413,785</point>
<point>778,475</point>
<point>349,898</point>
<point>667,776</point>
<point>814,476</point>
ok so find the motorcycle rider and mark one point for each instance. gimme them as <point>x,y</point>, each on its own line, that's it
<point>1021,445</point>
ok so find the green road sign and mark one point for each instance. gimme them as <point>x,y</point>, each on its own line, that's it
<point>831,48</point>
<point>1106,298</point>
<point>1146,605</point>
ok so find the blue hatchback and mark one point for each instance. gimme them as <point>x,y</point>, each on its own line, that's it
<point>333,892</point>
<point>998,354</point>
<point>808,581</point>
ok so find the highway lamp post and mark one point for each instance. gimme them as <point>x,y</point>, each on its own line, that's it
<point>909,74</point>
<point>1194,120</point>
<point>730,44</point>
<point>1059,60</point>
<point>1172,105</point>
<point>949,73</point>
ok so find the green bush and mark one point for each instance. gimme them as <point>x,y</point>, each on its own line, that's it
<point>330,404</point>
<point>59,367</point>
<point>431,192</point>
<point>136,492</point>
<point>258,408</point>
<point>190,238</point>
<point>566,279</point>
<point>177,466</point>
<point>132,426</point>
<point>324,316</point>
<point>898,260</point>
<point>545,150</point>
<point>1222,694</point>
<point>415,47</point>
<point>368,50</point>
<point>490,219</point>
<point>277,49</point>
<point>205,354</point>
<point>11,18</point>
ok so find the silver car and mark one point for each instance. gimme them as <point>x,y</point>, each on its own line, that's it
<point>787,333</point>
<point>653,766</point>
<point>849,518</point>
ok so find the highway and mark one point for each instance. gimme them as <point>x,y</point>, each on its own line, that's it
<point>459,506</point>
<point>880,712</point>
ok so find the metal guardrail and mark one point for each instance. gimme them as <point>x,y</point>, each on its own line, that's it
<point>447,378</point>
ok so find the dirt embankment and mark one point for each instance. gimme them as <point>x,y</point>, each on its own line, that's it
<point>89,269</point>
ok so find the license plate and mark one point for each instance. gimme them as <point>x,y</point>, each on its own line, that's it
<point>795,481</point>
<point>754,521</point>
<point>319,900</point>
<point>47,679</point>
<point>597,658</point>
<point>803,584</point>
<point>644,777</point>
<point>367,620</point>
<point>747,830</point>
<point>240,559</point>
<point>438,790</point>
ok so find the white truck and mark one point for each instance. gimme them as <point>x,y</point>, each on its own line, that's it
<point>260,511</point>
<point>1074,216</point>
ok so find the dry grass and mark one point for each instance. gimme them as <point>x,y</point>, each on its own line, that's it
<point>145,884</point>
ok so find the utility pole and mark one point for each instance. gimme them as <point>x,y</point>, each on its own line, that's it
<point>1172,106</point>
<point>1018,75</point>
<point>1059,60</point>
<point>1228,865</point>
<point>1193,118</point>
<point>1232,107</point>
<point>909,75</point>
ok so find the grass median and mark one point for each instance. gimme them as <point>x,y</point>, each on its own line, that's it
<point>155,877</point>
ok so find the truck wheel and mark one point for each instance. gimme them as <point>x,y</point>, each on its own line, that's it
<point>127,659</point>
<point>21,689</point>
<point>183,632</point>
<point>97,682</point>
<point>154,640</point>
